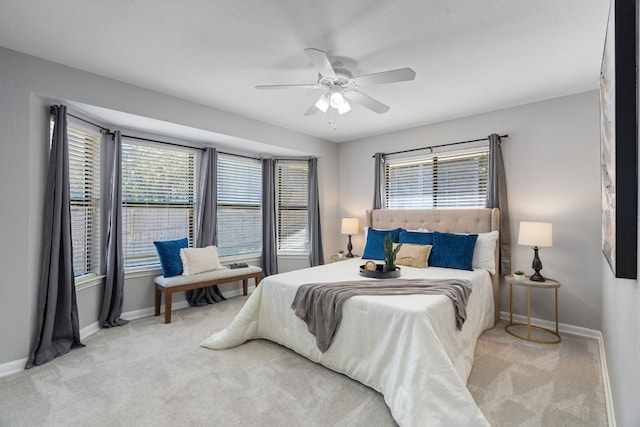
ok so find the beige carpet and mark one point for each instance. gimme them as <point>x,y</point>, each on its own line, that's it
<point>150,374</point>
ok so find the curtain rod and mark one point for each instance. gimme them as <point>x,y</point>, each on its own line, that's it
<point>175,144</point>
<point>89,123</point>
<point>441,145</point>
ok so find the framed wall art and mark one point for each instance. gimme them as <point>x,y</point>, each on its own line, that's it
<point>619,140</point>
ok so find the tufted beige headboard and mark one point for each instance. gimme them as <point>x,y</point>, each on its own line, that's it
<point>444,220</point>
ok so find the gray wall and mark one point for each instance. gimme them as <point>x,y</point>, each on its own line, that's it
<point>27,86</point>
<point>621,330</point>
<point>552,165</point>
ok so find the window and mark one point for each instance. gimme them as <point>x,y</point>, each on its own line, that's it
<point>445,180</point>
<point>158,198</point>
<point>84,183</point>
<point>292,201</point>
<point>239,224</point>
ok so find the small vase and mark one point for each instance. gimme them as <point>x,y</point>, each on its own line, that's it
<point>518,277</point>
<point>386,268</point>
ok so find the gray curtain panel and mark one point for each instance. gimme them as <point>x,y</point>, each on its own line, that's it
<point>207,221</point>
<point>378,184</point>
<point>111,236</point>
<point>497,198</point>
<point>269,226</point>
<point>57,328</point>
<point>315,231</point>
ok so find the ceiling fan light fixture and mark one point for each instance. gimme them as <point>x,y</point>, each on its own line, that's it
<point>323,104</point>
<point>340,86</point>
<point>336,99</point>
<point>344,108</point>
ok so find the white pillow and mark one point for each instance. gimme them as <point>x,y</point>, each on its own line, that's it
<point>199,260</point>
<point>484,252</point>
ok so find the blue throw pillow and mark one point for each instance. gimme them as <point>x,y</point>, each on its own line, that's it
<point>169,254</point>
<point>453,250</point>
<point>374,248</point>
<point>416,237</point>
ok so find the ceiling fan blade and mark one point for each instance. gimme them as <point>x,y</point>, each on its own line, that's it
<point>311,111</point>
<point>366,101</point>
<point>303,86</point>
<point>321,62</point>
<point>391,76</point>
<point>322,104</point>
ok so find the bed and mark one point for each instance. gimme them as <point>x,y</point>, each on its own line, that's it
<point>406,347</point>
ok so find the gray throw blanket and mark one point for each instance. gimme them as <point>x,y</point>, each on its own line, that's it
<point>320,304</point>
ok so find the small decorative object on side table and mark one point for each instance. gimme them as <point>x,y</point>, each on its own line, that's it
<point>528,284</point>
<point>337,257</point>
<point>518,276</point>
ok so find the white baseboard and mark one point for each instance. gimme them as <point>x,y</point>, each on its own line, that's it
<point>89,330</point>
<point>583,332</point>
<point>608,398</point>
<point>12,367</point>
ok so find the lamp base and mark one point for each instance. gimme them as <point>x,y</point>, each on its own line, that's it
<point>537,277</point>
<point>537,266</point>
<point>349,248</point>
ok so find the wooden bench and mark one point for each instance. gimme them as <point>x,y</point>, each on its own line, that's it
<point>169,285</point>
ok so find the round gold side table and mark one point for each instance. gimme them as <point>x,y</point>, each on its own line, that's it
<point>528,284</point>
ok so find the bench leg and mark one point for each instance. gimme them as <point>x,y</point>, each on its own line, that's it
<point>158,297</point>
<point>258,278</point>
<point>245,287</point>
<point>167,306</point>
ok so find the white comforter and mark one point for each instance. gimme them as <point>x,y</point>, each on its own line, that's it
<point>405,347</point>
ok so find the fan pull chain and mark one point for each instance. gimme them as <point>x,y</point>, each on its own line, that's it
<point>332,119</point>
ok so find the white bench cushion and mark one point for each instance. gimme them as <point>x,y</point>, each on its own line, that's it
<point>224,273</point>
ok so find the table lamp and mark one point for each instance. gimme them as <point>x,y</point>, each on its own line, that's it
<point>350,226</point>
<point>536,234</point>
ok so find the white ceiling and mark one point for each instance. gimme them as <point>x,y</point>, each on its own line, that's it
<point>470,56</point>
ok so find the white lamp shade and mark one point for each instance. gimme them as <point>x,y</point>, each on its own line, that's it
<point>323,104</point>
<point>535,234</point>
<point>350,226</point>
<point>344,108</point>
<point>336,99</point>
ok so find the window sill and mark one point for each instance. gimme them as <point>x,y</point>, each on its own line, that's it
<point>148,271</point>
<point>293,255</point>
<point>240,258</point>
<point>88,281</point>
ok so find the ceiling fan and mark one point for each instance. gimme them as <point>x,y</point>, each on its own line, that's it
<point>341,87</point>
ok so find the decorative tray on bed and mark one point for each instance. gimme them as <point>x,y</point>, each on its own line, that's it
<point>378,273</point>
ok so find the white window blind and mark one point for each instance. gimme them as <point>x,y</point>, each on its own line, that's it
<point>239,225</point>
<point>158,198</point>
<point>84,183</point>
<point>445,180</point>
<point>292,200</point>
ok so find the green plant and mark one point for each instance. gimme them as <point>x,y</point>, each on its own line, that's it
<point>389,252</point>
<point>519,272</point>
<point>341,251</point>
